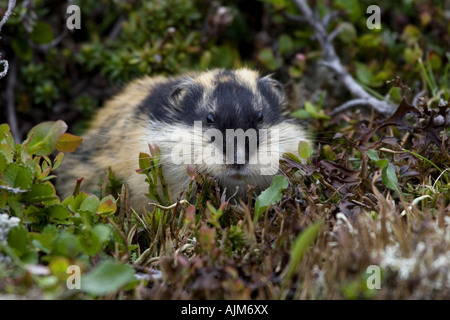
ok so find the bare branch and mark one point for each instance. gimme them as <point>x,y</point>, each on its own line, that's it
<point>332,61</point>
<point>348,105</point>
<point>329,17</point>
<point>373,102</point>
<point>334,34</point>
<point>11,5</point>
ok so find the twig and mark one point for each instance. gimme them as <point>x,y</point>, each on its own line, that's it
<point>332,61</point>
<point>183,201</point>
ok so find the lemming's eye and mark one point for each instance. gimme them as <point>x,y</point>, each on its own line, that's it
<point>210,118</point>
<point>260,117</point>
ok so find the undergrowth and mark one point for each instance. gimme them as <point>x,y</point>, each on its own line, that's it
<point>378,195</point>
<point>374,196</point>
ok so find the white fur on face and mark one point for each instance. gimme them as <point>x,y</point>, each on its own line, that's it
<point>184,145</point>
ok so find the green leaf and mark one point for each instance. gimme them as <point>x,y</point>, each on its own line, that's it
<point>44,192</point>
<point>363,73</point>
<point>373,155</point>
<point>292,157</point>
<point>107,277</point>
<point>45,137</point>
<point>310,111</point>
<point>296,71</point>
<point>58,160</point>
<point>65,244</point>
<point>90,204</point>
<point>144,161</point>
<point>276,2</point>
<point>270,196</point>
<point>18,239</point>
<point>9,141</point>
<point>4,128</point>
<point>389,177</point>
<point>42,33</point>
<point>223,57</point>
<point>301,114</point>
<point>68,143</point>
<point>89,242</point>
<point>107,206</point>
<point>352,7</point>
<point>267,58</point>
<point>43,240</point>
<point>103,232</point>
<point>304,150</point>
<point>30,257</point>
<point>285,44</point>
<point>348,32</point>
<point>38,245</point>
<point>310,108</point>
<point>76,202</point>
<point>6,151</point>
<point>58,213</point>
<point>58,267</point>
<point>382,163</point>
<point>3,163</point>
<point>301,245</point>
<point>395,94</point>
<point>18,176</point>
<point>369,41</point>
<point>16,206</point>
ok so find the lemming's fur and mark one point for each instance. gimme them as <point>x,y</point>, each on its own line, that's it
<point>153,110</point>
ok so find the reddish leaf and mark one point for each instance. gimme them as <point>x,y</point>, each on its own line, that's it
<point>68,143</point>
<point>107,206</point>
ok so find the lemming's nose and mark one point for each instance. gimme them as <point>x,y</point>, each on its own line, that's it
<point>237,166</point>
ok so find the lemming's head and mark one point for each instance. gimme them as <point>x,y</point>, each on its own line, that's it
<point>231,116</point>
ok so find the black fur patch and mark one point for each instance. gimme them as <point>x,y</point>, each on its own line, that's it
<point>234,107</point>
<point>158,104</point>
<point>234,102</point>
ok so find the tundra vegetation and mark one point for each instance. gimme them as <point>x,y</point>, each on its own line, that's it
<point>364,216</point>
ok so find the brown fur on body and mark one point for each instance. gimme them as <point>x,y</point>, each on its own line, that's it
<point>152,110</point>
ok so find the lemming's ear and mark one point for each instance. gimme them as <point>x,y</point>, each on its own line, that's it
<point>177,92</point>
<point>180,88</point>
<point>274,85</point>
